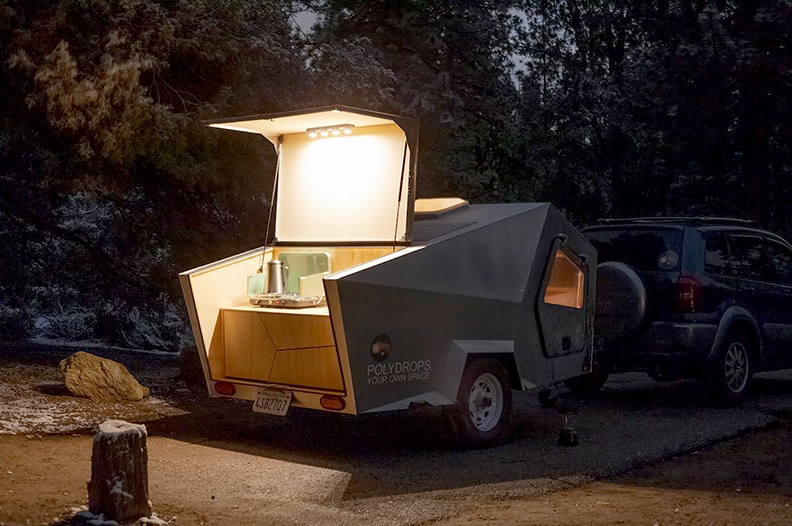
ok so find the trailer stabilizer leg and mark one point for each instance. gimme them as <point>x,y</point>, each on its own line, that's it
<point>567,436</point>
<point>548,397</point>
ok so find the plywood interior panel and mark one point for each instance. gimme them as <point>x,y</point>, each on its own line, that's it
<point>289,347</point>
<point>216,350</point>
<point>221,284</point>
<point>310,367</point>
<point>249,351</point>
<point>292,331</point>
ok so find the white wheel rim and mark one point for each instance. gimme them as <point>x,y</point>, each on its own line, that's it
<point>485,402</point>
<point>736,367</point>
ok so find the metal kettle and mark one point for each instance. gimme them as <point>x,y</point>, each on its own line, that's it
<point>276,277</point>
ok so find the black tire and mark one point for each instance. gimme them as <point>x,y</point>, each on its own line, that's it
<point>587,384</point>
<point>729,376</point>
<point>622,302</point>
<point>481,417</point>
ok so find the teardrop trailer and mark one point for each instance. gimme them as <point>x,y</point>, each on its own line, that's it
<point>388,302</point>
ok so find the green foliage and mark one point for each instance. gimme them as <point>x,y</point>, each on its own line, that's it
<point>451,65</point>
<point>649,108</point>
<point>15,323</point>
<point>110,185</point>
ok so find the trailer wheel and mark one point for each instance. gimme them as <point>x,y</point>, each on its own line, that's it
<point>482,413</point>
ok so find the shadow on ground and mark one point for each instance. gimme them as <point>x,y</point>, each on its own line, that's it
<point>632,421</point>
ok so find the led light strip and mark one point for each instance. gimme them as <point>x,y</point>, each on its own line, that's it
<point>330,131</point>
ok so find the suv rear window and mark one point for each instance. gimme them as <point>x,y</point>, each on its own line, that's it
<point>750,258</point>
<point>781,257</point>
<point>644,249</point>
<point>717,261</point>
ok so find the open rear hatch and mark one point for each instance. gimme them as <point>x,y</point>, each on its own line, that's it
<point>345,183</point>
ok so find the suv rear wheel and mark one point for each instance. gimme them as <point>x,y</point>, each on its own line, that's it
<point>729,376</point>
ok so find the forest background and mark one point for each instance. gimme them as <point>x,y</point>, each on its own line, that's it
<point>110,185</point>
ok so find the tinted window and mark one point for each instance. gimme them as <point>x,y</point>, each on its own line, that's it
<point>566,284</point>
<point>781,258</point>
<point>647,250</point>
<point>750,259</point>
<point>716,261</point>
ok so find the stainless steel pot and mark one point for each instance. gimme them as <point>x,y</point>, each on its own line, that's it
<point>276,277</point>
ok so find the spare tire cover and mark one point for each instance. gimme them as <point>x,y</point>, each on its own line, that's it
<point>621,302</point>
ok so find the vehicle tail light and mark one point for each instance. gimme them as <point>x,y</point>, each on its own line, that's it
<point>225,388</point>
<point>688,293</point>
<point>332,403</point>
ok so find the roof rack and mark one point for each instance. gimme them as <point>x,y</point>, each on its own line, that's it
<point>698,220</point>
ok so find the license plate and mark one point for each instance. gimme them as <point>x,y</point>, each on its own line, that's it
<point>272,402</point>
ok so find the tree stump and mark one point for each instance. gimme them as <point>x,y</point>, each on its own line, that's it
<point>118,488</point>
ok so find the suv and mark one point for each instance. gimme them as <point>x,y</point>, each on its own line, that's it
<point>707,298</point>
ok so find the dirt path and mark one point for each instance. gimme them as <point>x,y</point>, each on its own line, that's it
<point>201,472</point>
<point>746,480</point>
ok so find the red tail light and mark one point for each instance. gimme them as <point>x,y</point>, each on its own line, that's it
<point>225,388</point>
<point>333,403</point>
<point>688,294</point>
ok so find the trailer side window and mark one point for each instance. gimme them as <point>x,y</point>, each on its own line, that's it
<point>566,284</point>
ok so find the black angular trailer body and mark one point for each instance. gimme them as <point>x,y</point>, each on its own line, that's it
<point>390,302</point>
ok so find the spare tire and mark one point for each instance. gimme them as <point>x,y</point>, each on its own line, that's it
<point>621,302</point>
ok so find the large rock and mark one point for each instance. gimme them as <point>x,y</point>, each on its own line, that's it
<point>98,378</point>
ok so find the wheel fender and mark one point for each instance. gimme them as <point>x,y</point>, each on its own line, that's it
<point>732,316</point>
<point>451,371</point>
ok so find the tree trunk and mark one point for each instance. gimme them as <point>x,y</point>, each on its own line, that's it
<point>118,488</point>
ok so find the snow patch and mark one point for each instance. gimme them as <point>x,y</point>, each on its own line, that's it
<point>114,428</point>
<point>92,344</point>
<point>118,489</point>
<point>23,413</point>
<point>83,516</point>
